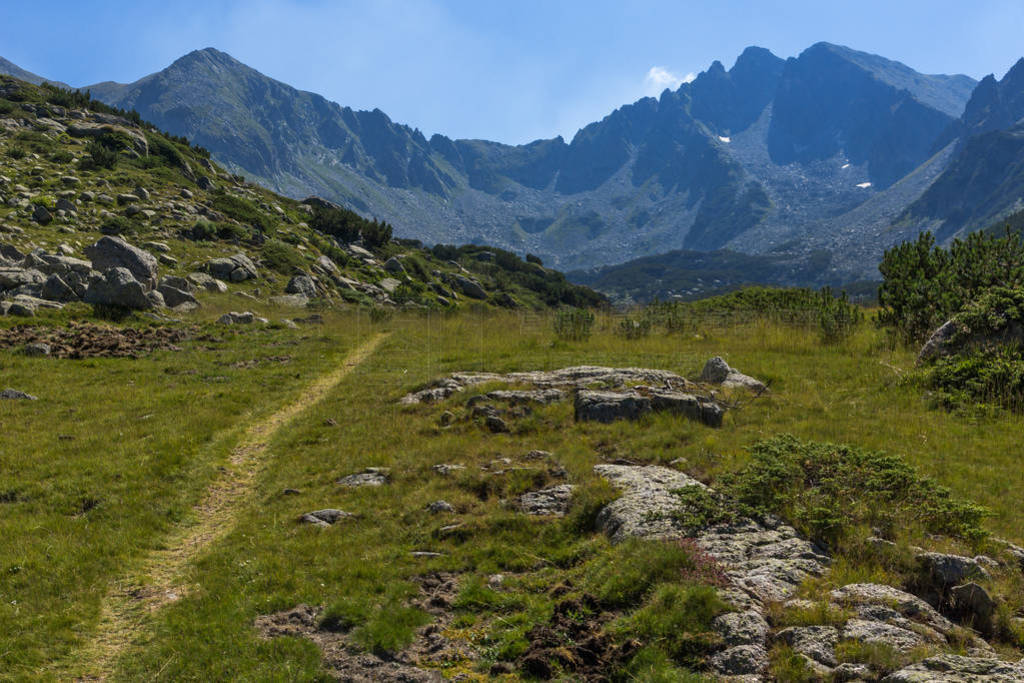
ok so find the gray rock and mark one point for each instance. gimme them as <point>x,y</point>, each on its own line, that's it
<point>119,289</point>
<point>178,283</point>
<point>36,349</point>
<point>41,215</point>
<point>233,318</point>
<point>156,298</point>
<point>741,628</point>
<point>439,506</point>
<point>204,281</point>
<point>496,425</point>
<point>175,297</point>
<point>371,476</point>
<point>389,285</point>
<point>717,371</point>
<point>303,285</point>
<point>972,603</point>
<point>876,632</point>
<point>21,309</point>
<point>444,469</point>
<point>127,198</point>
<point>551,501</point>
<point>55,289</point>
<point>608,406</point>
<point>873,595</point>
<point>15,395</point>
<point>851,672</point>
<point>815,642</point>
<point>690,406</point>
<point>325,518</point>
<point>237,268</point>
<point>945,570</point>
<point>741,660</point>
<point>470,288</point>
<point>948,668</point>
<point>65,205</point>
<point>394,266</point>
<point>113,252</point>
<point>12,278</point>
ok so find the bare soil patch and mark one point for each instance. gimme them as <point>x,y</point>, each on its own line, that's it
<point>87,340</point>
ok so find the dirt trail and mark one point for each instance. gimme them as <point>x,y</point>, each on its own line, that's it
<point>158,581</point>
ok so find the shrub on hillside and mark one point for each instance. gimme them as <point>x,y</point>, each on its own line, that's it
<point>925,285</point>
<point>573,324</point>
<point>826,490</point>
<point>281,257</point>
<point>242,210</point>
<point>100,156</point>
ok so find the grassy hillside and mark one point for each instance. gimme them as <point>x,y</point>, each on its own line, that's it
<point>83,524</point>
<point>73,169</point>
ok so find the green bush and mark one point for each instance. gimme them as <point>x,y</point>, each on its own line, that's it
<point>205,230</point>
<point>826,490</point>
<point>15,152</point>
<point>242,210</point>
<point>116,225</point>
<point>634,329</point>
<point>837,317</point>
<point>376,234</point>
<point>281,257</point>
<point>925,285</point>
<point>100,156</point>
<point>991,377</point>
<point>573,324</point>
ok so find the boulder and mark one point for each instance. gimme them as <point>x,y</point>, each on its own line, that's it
<point>302,285</point>
<point>36,349</point>
<point>204,281</point>
<point>717,371</point>
<point>15,395</point>
<point>470,288</point>
<point>947,668</point>
<point>113,252</point>
<point>389,284</point>
<point>972,604</point>
<point>325,518</point>
<point>815,642</point>
<point>553,501</point>
<point>237,268</point>
<point>290,300</point>
<point>943,570</point>
<point>741,660</point>
<point>175,297</point>
<point>41,215</point>
<point>12,278</point>
<point>741,628</point>
<point>394,266</point>
<point>119,289</point>
<point>233,318</point>
<point>371,476</point>
<point>439,506</point>
<point>21,309</point>
<point>609,406</point>
<point>55,289</point>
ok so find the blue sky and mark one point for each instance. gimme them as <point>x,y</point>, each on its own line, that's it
<point>508,71</point>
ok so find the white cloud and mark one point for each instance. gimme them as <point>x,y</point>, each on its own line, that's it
<point>658,78</point>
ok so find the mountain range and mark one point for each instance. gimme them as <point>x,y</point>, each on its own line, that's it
<point>832,155</point>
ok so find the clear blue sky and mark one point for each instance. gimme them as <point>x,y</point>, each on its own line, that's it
<point>510,71</point>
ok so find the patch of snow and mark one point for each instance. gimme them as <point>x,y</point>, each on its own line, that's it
<point>845,166</point>
<point>724,138</point>
<point>863,186</point>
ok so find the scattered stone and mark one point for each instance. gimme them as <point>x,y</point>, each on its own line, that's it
<point>21,309</point>
<point>234,318</point>
<point>948,570</point>
<point>849,671</point>
<point>948,668</point>
<point>554,501</point>
<point>37,349</point>
<point>15,395</point>
<point>972,604</point>
<point>394,266</point>
<point>302,285</point>
<point>41,215</point>
<point>237,268</point>
<point>325,518</point>
<point>717,371</point>
<point>741,660</point>
<point>446,419</point>
<point>204,281</point>
<point>741,628</point>
<point>439,506</point>
<point>119,289</point>
<point>426,554</point>
<point>815,642</point>
<point>371,476</point>
<point>608,406</point>
<point>496,425</point>
<point>470,288</point>
<point>445,469</point>
<point>113,252</point>
<point>389,285</point>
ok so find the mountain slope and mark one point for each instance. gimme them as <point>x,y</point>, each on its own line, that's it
<point>985,180</point>
<point>12,69</point>
<point>732,159</point>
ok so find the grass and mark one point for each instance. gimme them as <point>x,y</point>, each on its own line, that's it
<point>361,570</point>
